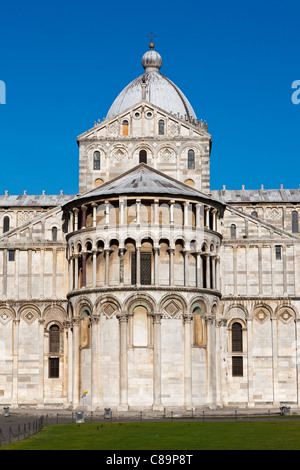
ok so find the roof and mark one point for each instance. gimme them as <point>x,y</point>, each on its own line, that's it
<point>257,196</point>
<point>143,180</point>
<point>43,200</point>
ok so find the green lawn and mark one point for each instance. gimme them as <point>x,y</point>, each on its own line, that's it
<point>263,435</point>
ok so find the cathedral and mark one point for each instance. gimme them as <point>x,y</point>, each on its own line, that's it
<point>147,290</point>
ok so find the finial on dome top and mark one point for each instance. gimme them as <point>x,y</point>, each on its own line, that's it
<point>151,36</point>
<point>151,60</point>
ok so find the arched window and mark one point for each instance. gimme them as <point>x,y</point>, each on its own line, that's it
<point>96,160</point>
<point>161,127</point>
<point>54,339</point>
<point>143,156</point>
<point>295,222</point>
<point>6,223</point>
<point>54,234</point>
<point>237,346</point>
<point>237,337</point>
<point>254,214</point>
<point>125,126</point>
<point>54,347</point>
<point>233,231</point>
<point>191,159</point>
<point>199,326</point>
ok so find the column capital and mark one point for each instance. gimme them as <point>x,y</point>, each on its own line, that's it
<point>210,319</point>
<point>221,322</point>
<point>123,317</point>
<point>187,317</point>
<point>157,316</point>
<point>75,321</point>
<point>94,319</point>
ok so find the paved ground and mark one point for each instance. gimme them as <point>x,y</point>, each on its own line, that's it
<point>24,419</point>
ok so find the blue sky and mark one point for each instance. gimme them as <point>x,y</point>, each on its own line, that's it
<point>65,62</point>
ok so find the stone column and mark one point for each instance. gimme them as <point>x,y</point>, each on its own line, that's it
<point>171,277</point>
<point>213,268</point>
<point>16,288</point>
<point>156,268</point>
<point>250,361</point>
<point>95,399</point>
<point>297,336</point>
<point>15,352</point>
<point>29,271</point>
<point>284,264</point>
<point>107,253</point>
<point>218,362</point>
<point>214,212</point>
<point>156,207</point>
<point>138,265</point>
<point>71,222</point>
<point>221,360</point>
<point>186,214</point>
<point>121,253</point>
<point>106,213</point>
<point>186,267</point>
<point>76,219</point>
<point>208,286</point>
<point>123,320</point>
<point>94,206</point>
<point>76,271</point>
<point>71,274</point>
<point>172,202</point>
<point>187,361</point>
<point>4,282</point>
<point>42,369</point>
<point>76,364</point>
<point>206,223</point>
<point>199,270</point>
<point>83,257</point>
<point>217,261</point>
<point>157,405</point>
<point>210,361</point>
<point>260,265</point>
<point>198,215</point>
<point>70,364</point>
<point>95,268</point>
<point>275,361</point>
<point>138,212</point>
<point>83,216</point>
<point>121,211</point>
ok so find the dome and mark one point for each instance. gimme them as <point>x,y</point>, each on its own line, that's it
<point>160,91</point>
